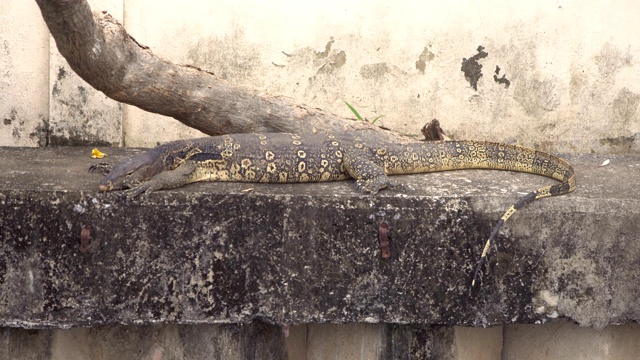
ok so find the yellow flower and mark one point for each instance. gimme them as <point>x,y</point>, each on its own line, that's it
<point>96,154</point>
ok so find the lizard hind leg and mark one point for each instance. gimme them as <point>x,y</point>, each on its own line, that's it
<point>530,197</point>
<point>370,177</point>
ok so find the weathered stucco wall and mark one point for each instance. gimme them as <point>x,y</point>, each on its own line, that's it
<point>24,74</point>
<point>78,114</point>
<point>571,67</point>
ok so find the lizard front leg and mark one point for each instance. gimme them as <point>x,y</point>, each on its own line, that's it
<point>169,179</point>
<point>103,168</point>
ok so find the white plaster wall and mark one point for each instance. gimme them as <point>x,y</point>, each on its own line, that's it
<point>572,66</point>
<point>24,73</point>
<point>79,114</point>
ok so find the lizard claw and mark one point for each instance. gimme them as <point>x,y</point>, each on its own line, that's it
<point>136,191</point>
<point>372,186</point>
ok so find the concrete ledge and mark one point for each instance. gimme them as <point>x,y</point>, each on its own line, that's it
<point>297,254</point>
<point>555,340</point>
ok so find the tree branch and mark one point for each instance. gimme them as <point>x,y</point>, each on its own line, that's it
<point>101,52</point>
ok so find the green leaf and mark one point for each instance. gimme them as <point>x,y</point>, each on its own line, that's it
<point>376,119</point>
<point>354,111</point>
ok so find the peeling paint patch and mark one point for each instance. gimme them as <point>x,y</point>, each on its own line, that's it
<point>327,49</point>
<point>373,71</point>
<point>380,71</point>
<point>333,62</point>
<point>426,56</point>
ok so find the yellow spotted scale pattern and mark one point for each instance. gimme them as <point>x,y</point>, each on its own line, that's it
<point>290,158</point>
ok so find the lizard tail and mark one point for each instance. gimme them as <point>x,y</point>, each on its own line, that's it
<point>568,183</point>
<point>465,154</point>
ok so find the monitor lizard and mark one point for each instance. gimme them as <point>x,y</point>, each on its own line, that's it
<point>290,158</point>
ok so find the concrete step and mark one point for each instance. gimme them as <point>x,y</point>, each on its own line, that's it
<point>309,254</point>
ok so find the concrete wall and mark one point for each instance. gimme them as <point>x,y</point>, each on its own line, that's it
<point>557,340</point>
<point>24,73</point>
<point>572,68</point>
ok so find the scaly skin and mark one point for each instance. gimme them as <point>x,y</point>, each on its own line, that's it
<point>288,158</point>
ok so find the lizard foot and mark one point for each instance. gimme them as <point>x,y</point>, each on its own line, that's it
<point>372,186</point>
<point>103,168</point>
<point>396,185</point>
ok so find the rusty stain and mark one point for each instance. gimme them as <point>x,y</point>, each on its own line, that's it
<point>285,330</point>
<point>85,238</point>
<point>384,241</point>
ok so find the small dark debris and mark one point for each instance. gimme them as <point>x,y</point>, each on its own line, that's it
<point>433,132</point>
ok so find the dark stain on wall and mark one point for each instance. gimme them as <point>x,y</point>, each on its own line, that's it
<point>611,59</point>
<point>62,73</point>
<point>42,132</point>
<point>537,96</point>
<point>621,144</point>
<point>501,80</point>
<point>625,106</point>
<point>75,121</point>
<point>472,69</point>
<point>11,118</point>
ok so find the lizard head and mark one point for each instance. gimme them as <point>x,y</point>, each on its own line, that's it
<point>142,167</point>
<point>134,170</point>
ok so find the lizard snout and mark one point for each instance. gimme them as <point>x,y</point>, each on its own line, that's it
<point>105,187</point>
